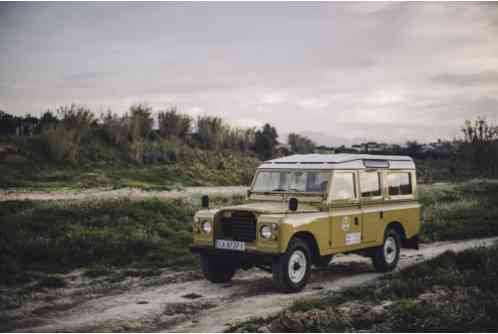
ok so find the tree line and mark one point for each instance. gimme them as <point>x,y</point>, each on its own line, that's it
<point>70,133</point>
<point>74,134</point>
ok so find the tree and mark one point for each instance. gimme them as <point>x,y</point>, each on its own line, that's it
<point>174,124</point>
<point>211,132</point>
<point>140,122</point>
<point>8,123</point>
<point>48,119</point>
<point>266,142</point>
<point>300,144</point>
<point>481,146</point>
<point>413,148</point>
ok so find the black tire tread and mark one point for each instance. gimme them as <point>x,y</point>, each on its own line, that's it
<point>378,258</point>
<point>279,268</point>
<point>216,272</point>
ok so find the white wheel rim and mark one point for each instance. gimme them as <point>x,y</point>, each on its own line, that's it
<point>297,266</point>
<point>390,250</point>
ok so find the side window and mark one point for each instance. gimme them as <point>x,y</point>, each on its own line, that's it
<point>370,184</point>
<point>343,187</point>
<point>317,182</point>
<point>399,184</point>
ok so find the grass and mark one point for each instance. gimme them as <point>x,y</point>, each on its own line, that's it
<point>57,236</point>
<point>27,167</point>
<point>454,292</point>
<point>99,235</point>
<point>465,210</point>
<point>232,170</point>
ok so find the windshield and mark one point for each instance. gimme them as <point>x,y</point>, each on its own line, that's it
<point>298,181</point>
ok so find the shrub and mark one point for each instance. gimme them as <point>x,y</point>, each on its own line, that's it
<point>139,122</point>
<point>115,129</point>
<point>211,132</point>
<point>173,124</point>
<point>61,144</point>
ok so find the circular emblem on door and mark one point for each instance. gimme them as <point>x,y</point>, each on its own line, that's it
<point>345,223</point>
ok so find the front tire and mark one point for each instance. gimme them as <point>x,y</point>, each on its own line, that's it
<point>386,257</point>
<point>216,272</point>
<point>291,270</point>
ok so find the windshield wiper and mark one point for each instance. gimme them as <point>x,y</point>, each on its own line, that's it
<point>279,189</point>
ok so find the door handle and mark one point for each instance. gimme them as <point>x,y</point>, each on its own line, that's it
<point>381,214</point>
<point>355,220</point>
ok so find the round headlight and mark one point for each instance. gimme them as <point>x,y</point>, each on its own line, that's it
<point>266,232</point>
<point>206,227</point>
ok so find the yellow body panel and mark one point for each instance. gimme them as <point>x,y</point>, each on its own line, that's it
<point>336,227</point>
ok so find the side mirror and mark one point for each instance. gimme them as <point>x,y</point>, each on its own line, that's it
<point>293,203</point>
<point>205,201</point>
<point>248,193</point>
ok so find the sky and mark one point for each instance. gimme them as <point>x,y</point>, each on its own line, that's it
<point>337,72</point>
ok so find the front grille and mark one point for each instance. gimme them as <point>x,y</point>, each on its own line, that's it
<point>240,226</point>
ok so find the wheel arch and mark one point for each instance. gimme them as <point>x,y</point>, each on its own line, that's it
<point>398,227</point>
<point>310,240</point>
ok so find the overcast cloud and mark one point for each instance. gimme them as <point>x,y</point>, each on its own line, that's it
<point>389,72</point>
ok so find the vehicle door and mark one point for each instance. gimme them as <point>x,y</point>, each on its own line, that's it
<point>345,211</point>
<point>372,205</point>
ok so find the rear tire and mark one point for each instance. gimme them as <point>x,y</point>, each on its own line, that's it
<point>386,257</point>
<point>291,270</point>
<point>216,272</point>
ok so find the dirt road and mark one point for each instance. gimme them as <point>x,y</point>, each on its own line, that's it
<point>183,301</point>
<point>132,193</point>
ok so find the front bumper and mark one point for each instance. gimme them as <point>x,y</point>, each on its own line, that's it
<point>248,257</point>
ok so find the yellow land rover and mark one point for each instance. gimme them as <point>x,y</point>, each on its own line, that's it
<point>303,209</point>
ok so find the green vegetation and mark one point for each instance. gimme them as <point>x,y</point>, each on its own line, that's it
<point>72,147</point>
<point>56,236</point>
<point>455,292</point>
<point>459,210</point>
<point>29,170</point>
<point>64,235</point>
<point>300,144</point>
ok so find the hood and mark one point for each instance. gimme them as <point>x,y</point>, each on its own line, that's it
<point>272,207</point>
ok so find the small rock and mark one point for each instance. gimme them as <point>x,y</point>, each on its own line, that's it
<point>192,296</point>
<point>263,329</point>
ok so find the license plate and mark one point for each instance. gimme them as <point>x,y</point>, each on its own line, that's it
<point>230,244</point>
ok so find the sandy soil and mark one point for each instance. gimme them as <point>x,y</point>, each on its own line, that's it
<point>133,193</point>
<point>185,302</point>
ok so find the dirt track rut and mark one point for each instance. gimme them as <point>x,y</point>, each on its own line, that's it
<point>191,304</point>
<point>132,193</point>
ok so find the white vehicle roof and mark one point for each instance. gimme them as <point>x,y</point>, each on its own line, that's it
<point>339,161</point>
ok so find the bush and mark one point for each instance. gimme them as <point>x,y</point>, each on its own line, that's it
<point>61,144</point>
<point>173,124</point>
<point>211,132</point>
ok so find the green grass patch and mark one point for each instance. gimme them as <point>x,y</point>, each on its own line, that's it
<point>56,236</point>
<point>459,210</point>
<point>453,292</point>
<point>29,169</point>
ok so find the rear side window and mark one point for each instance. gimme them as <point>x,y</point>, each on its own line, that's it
<point>370,184</point>
<point>343,187</point>
<point>399,184</point>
